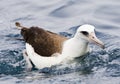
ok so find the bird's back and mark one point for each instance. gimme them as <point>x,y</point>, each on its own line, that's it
<point>45,43</point>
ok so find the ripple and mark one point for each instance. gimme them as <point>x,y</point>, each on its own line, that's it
<point>97,67</point>
<point>11,62</point>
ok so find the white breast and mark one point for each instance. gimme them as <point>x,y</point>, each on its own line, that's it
<point>74,48</point>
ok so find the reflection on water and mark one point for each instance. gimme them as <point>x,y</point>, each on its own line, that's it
<point>62,17</point>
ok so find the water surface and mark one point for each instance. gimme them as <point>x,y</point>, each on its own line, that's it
<point>62,17</point>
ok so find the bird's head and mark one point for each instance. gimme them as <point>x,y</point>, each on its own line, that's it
<point>87,32</point>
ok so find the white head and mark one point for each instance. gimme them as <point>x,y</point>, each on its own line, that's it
<point>87,33</point>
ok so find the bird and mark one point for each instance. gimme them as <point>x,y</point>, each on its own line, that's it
<point>45,48</point>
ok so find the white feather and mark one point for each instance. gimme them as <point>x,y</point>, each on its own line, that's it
<point>40,61</point>
<point>74,48</point>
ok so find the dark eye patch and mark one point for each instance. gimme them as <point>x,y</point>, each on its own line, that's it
<point>84,33</point>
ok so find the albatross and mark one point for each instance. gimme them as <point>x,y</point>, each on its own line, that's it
<point>45,48</point>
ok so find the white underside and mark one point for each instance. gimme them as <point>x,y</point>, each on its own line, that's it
<point>71,49</point>
<point>40,61</point>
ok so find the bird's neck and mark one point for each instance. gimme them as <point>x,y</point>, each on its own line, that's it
<point>75,47</point>
<point>80,40</point>
<point>81,43</point>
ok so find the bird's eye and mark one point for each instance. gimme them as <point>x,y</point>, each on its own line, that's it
<point>84,33</point>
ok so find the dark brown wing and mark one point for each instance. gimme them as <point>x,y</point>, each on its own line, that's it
<point>45,43</point>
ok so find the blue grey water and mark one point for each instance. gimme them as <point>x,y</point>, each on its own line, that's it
<point>62,17</point>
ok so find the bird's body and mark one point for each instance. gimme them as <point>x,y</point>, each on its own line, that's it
<point>45,48</point>
<point>71,48</point>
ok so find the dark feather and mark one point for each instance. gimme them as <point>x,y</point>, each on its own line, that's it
<point>45,43</point>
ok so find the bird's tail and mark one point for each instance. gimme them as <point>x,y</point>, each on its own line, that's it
<point>19,26</point>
